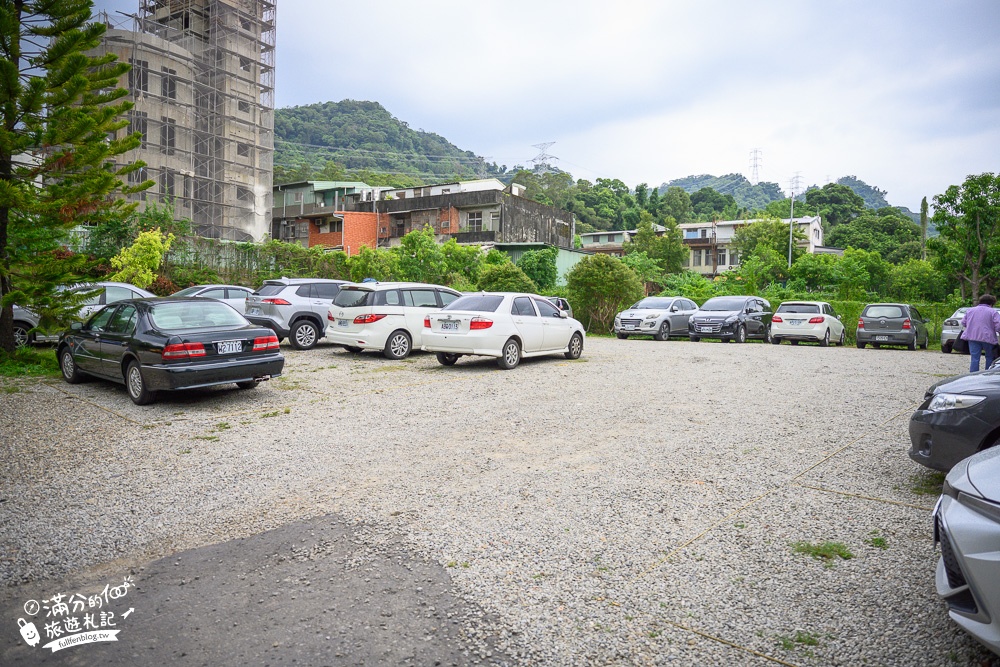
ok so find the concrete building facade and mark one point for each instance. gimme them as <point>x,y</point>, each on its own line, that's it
<point>711,249</point>
<point>202,82</point>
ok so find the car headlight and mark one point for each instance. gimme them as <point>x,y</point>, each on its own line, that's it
<point>651,317</point>
<point>731,320</point>
<point>943,401</point>
<point>952,323</point>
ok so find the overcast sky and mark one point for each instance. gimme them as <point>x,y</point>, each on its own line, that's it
<point>903,94</point>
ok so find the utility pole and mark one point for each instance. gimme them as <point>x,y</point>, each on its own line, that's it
<point>793,185</point>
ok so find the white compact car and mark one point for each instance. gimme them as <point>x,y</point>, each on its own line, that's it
<point>384,316</point>
<point>505,325</point>
<point>813,321</point>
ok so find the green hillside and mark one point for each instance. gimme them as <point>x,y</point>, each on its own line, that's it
<point>337,140</point>
<point>747,196</point>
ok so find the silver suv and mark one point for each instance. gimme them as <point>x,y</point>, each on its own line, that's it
<point>294,308</point>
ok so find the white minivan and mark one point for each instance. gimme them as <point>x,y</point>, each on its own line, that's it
<point>384,316</point>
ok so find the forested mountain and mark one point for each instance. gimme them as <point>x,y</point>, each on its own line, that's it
<point>352,139</point>
<point>747,196</point>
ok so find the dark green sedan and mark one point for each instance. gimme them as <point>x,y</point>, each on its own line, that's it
<point>154,345</point>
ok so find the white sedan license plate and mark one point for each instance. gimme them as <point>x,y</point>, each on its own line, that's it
<point>881,338</point>
<point>229,346</point>
<point>342,323</point>
<point>449,326</point>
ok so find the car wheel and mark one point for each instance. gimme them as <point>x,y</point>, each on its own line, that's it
<point>398,346</point>
<point>794,342</point>
<point>946,347</point>
<point>21,335</point>
<point>352,349</point>
<point>575,347</point>
<point>912,345</point>
<point>304,335</point>
<point>861,345</point>
<point>70,372</point>
<point>775,340</point>
<point>622,336</point>
<point>694,339</point>
<point>136,385</point>
<point>926,343</point>
<point>664,331</point>
<point>446,359</point>
<point>741,334</point>
<point>825,342</point>
<point>511,356</point>
<point>767,334</point>
<point>249,384</point>
<point>843,338</point>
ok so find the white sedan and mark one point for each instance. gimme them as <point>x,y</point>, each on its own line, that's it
<point>813,321</point>
<point>506,325</point>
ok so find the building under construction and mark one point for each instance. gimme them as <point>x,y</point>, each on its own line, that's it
<point>202,80</point>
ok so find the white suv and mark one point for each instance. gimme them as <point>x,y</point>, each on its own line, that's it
<point>384,316</point>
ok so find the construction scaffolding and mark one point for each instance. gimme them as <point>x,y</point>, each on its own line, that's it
<point>202,81</point>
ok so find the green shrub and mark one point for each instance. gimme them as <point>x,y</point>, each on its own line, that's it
<point>505,278</point>
<point>600,287</point>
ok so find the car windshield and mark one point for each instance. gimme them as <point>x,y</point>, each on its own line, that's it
<point>480,303</point>
<point>188,291</point>
<point>798,308</point>
<point>724,303</point>
<point>194,315</point>
<point>653,303</point>
<point>352,297</point>
<point>883,311</point>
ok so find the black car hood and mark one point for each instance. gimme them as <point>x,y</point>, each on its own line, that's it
<point>724,314</point>
<point>982,382</point>
<point>984,473</point>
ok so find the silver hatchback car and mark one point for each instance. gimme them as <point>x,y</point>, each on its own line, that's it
<point>658,316</point>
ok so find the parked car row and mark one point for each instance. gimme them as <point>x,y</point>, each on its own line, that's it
<point>740,318</point>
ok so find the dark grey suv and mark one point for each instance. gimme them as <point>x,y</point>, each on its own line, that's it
<point>294,308</point>
<point>892,324</point>
<point>732,318</point>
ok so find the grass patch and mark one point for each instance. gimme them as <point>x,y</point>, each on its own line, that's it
<point>800,638</point>
<point>27,361</point>
<point>927,483</point>
<point>876,540</point>
<point>210,438</point>
<point>825,551</point>
<point>222,426</point>
<point>388,368</point>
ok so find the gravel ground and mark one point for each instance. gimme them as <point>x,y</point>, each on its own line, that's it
<point>636,506</point>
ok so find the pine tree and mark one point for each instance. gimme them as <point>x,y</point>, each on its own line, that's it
<point>61,113</point>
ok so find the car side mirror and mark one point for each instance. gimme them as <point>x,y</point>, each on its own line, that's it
<point>674,309</point>
<point>838,317</point>
<point>562,314</point>
<point>76,326</point>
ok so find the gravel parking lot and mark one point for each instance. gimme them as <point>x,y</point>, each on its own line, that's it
<point>636,506</point>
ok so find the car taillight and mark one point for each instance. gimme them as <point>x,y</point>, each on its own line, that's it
<point>330,316</point>
<point>906,324</point>
<point>861,323</point>
<point>276,302</point>
<point>265,343</point>
<point>777,318</point>
<point>427,322</point>
<point>815,320</point>
<point>183,351</point>
<point>367,319</point>
<point>478,323</point>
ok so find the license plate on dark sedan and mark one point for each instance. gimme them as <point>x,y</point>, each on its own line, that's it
<point>229,346</point>
<point>449,326</point>
<point>881,339</point>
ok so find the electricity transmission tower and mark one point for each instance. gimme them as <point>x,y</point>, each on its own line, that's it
<point>755,163</point>
<point>540,162</point>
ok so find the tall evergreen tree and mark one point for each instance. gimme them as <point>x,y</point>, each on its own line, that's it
<point>60,114</point>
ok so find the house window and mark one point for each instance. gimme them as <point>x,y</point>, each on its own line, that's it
<point>696,255</point>
<point>336,225</point>
<point>139,122</point>
<point>244,63</point>
<point>297,197</point>
<point>495,221</point>
<point>168,83</point>
<point>244,150</point>
<point>734,258</point>
<point>168,135</point>
<point>244,194</point>
<point>690,233</point>
<point>167,183</point>
<point>476,221</point>
<point>722,257</point>
<point>246,23</point>
<point>704,233</point>
<point>243,106</point>
<point>138,76</point>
